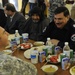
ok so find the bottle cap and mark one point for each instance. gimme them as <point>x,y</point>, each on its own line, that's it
<point>48,38</point>
<point>66,43</point>
<point>16,31</point>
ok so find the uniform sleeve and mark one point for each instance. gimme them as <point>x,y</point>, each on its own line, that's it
<point>72,39</point>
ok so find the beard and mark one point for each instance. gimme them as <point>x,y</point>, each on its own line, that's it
<point>35,21</point>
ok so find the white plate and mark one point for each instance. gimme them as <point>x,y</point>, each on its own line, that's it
<point>71,70</point>
<point>7,52</point>
<point>27,52</point>
<point>22,48</point>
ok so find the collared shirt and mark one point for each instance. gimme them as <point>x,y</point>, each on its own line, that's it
<point>66,34</point>
<point>11,17</point>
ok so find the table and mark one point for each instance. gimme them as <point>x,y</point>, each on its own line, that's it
<point>20,54</point>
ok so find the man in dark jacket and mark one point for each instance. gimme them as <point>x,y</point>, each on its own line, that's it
<point>61,29</point>
<point>15,20</point>
<point>36,24</point>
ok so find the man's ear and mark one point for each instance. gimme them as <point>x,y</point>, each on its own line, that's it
<point>68,17</point>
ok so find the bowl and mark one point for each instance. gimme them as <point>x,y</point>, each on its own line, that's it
<point>49,69</point>
<point>38,43</point>
<point>8,52</point>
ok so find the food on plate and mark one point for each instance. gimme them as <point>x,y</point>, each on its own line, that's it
<point>25,45</point>
<point>73,69</point>
<point>54,59</point>
<point>38,43</point>
<point>49,69</point>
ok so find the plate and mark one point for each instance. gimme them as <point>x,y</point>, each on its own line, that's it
<point>25,46</point>
<point>54,59</point>
<point>38,43</point>
<point>27,53</point>
<point>72,70</point>
<point>8,46</point>
<point>8,52</point>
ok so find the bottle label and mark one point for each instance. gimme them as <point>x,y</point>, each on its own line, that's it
<point>67,53</point>
<point>65,63</point>
<point>42,56</point>
<point>17,40</point>
<point>33,56</point>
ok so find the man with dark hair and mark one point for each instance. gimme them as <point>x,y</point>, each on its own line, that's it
<point>15,20</point>
<point>61,29</point>
<point>36,24</point>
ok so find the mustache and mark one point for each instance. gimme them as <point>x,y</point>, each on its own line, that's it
<point>58,23</point>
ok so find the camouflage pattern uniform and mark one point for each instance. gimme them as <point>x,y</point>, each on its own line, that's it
<point>53,5</point>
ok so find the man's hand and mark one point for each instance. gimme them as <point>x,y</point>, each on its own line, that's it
<point>54,41</point>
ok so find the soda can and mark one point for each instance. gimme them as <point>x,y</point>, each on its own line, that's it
<point>46,51</point>
<point>42,56</point>
<point>65,63</point>
<point>57,50</point>
<point>71,53</point>
<point>62,55</point>
<point>13,45</point>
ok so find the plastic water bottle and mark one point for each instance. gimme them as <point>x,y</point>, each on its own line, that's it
<point>17,37</point>
<point>34,56</point>
<point>66,49</point>
<point>48,42</point>
<point>49,46</point>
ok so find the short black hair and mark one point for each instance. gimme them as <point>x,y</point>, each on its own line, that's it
<point>62,9</point>
<point>36,10</point>
<point>10,6</point>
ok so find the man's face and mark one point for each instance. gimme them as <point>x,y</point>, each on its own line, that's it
<point>7,13</point>
<point>3,38</point>
<point>60,20</point>
<point>35,18</point>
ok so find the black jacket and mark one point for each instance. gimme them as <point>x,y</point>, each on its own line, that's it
<point>2,18</point>
<point>17,23</point>
<point>35,30</point>
<point>66,34</point>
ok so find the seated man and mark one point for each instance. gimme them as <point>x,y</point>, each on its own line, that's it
<point>10,65</point>
<point>15,20</point>
<point>36,24</point>
<point>61,29</point>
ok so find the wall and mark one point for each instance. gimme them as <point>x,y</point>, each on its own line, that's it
<point>0,1</point>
